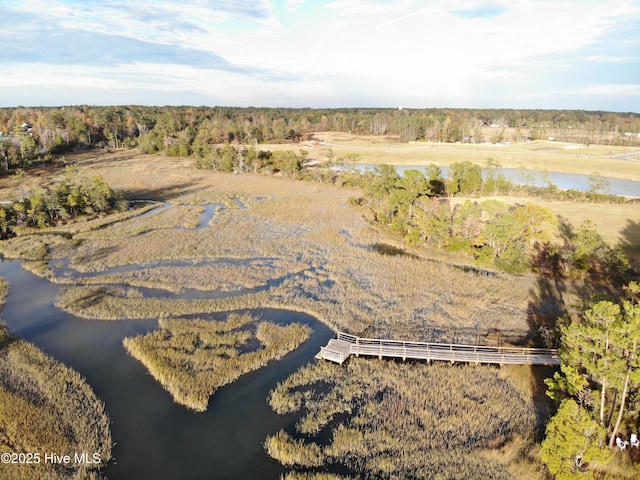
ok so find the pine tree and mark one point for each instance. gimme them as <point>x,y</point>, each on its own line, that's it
<point>573,443</point>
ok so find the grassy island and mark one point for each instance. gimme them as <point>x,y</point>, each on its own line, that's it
<point>192,358</point>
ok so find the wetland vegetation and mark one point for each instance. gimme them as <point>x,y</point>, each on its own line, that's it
<point>386,419</point>
<point>46,407</point>
<point>192,358</point>
<point>381,256</point>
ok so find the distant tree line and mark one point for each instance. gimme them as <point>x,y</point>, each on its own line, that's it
<point>72,197</point>
<point>30,133</point>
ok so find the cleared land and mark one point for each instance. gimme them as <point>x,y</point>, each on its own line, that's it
<point>535,155</point>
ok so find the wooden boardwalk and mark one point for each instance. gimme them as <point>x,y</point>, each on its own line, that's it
<point>339,349</point>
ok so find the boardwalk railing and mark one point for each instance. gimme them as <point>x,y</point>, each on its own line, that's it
<point>338,350</point>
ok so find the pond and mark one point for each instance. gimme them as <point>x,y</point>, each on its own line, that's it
<point>154,437</point>
<point>564,181</point>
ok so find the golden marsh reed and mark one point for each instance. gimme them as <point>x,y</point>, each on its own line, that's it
<point>192,358</point>
<point>401,420</point>
<point>325,259</point>
<point>224,276</point>
<point>46,407</point>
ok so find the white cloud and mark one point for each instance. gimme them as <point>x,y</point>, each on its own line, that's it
<point>294,5</point>
<point>612,59</point>
<point>361,48</point>
<point>614,89</point>
<point>395,40</point>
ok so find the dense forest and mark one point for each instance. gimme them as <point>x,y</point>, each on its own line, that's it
<point>34,132</point>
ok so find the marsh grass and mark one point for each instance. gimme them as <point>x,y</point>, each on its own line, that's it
<point>46,407</point>
<point>336,275</point>
<point>176,216</point>
<point>357,301</point>
<point>401,420</point>
<point>312,476</point>
<point>325,253</point>
<point>221,276</point>
<point>325,247</point>
<point>112,303</point>
<point>389,419</point>
<point>30,247</point>
<point>193,358</point>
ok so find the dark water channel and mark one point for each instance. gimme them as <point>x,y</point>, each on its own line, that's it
<point>155,438</point>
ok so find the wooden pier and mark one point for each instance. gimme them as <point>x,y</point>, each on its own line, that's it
<point>339,349</point>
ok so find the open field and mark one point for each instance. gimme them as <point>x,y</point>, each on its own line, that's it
<point>536,155</point>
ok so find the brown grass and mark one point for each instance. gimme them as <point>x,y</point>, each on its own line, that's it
<point>222,276</point>
<point>402,420</point>
<point>46,407</point>
<point>324,249</point>
<point>324,246</point>
<point>192,358</point>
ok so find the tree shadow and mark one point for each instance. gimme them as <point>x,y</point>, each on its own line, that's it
<point>561,291</point>
<point>566,229</point>
<point>630,245</point>
<point>95,255</point>
<point>546,306</point>
<point>161,194</point>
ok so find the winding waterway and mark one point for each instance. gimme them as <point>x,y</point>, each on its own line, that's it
<point>154,437</point>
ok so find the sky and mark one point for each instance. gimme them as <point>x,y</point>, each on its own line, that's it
<point>550,54</point>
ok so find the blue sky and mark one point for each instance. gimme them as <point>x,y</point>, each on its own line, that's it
<point>582,54</point>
